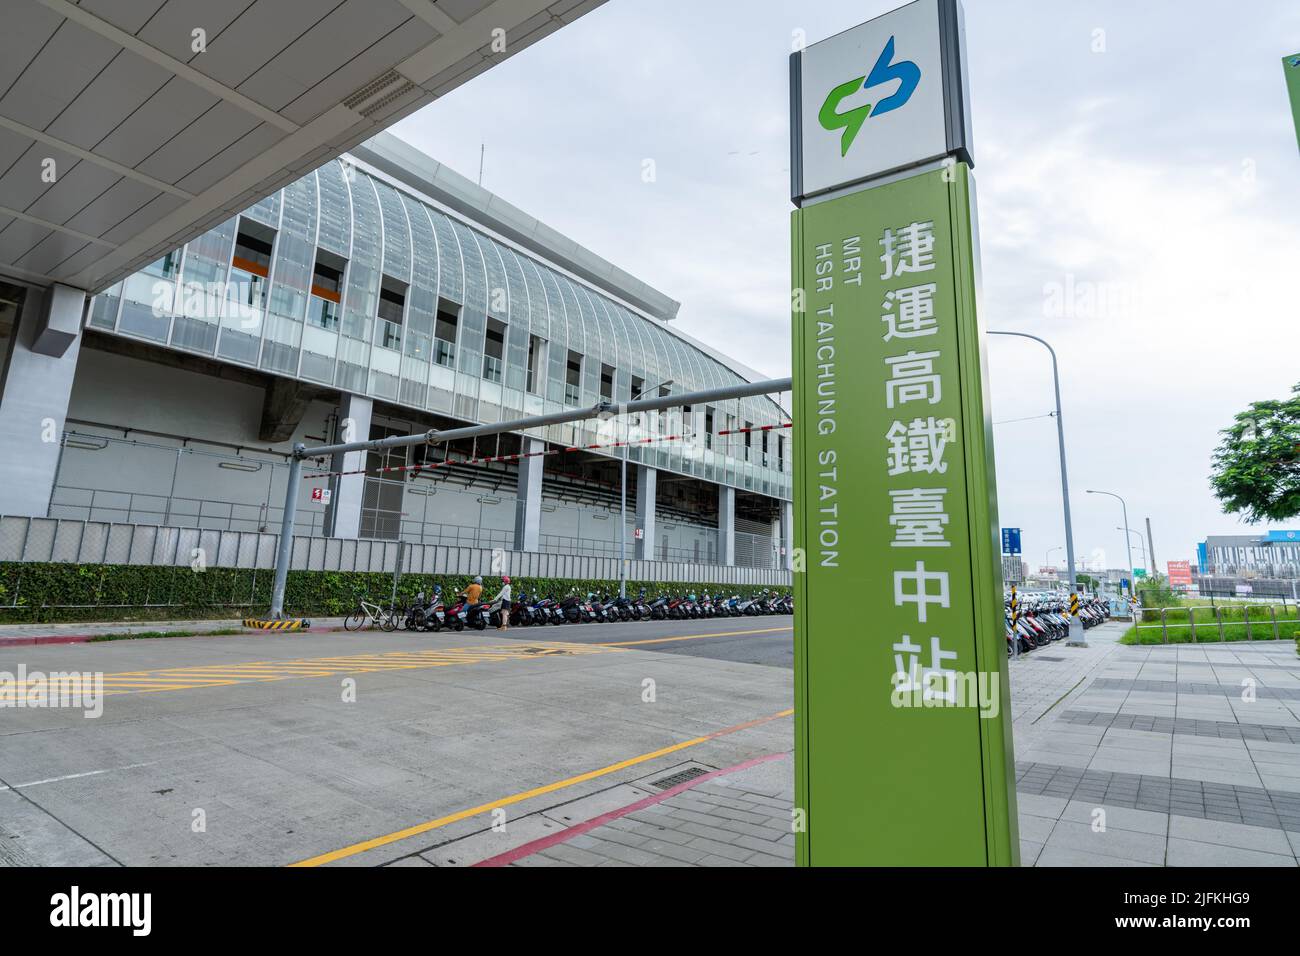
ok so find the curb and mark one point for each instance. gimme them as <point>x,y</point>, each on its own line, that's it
<point>46,639</point>
<point>568,833</point>
<point>86,638</point>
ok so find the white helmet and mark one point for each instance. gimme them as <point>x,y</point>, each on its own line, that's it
<point>478,579</point>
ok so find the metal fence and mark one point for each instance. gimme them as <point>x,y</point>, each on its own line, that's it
<point>149,481</point>
<point>100,542</point>
<point>1248,620</point>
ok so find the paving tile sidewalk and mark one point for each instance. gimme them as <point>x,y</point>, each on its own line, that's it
<point>736,819</point>
<point>1126,756</point>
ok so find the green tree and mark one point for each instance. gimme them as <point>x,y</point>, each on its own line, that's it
<point>1256,468</point>
<point>1154,591</point>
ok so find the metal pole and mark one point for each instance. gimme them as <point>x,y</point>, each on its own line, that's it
<point>622,525</point>
<point>1047,558</point>
<point>284,547</point>
<point>1151,549</point>
<point>397,572</point>
<point>743,390</point>
<point>1076,634</point>
<point>1142,547</point>
<point>622,511</point>
<point>176,467</point>
<point>1015,617</point>
<point>1128,542</point>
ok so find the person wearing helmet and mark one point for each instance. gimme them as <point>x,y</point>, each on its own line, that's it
<point>502,603</point>
<point>473,591</point>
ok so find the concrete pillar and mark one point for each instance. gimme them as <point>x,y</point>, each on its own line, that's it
<point>787,535</point>
<point>344,519</point>
<point>528,512</point>
<point>35,386</point>
<point>646,485</point>
<point>727,524</point>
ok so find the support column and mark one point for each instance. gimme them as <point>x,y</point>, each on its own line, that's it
<point>35,387</point>
<point>646,485</point>
<point>727,524</point>
<point>344,519</point>
<point>787,535</point>
<point>528,512</point>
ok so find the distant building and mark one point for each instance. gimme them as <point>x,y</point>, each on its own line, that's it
<point>1273,554</point>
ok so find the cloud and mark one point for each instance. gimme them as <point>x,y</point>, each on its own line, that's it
<point>1136,208</point>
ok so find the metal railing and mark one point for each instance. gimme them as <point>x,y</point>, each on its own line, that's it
<point>128,507</point>
<point>146,481</point>
<point>1216,623</point>
<point>26,541</point>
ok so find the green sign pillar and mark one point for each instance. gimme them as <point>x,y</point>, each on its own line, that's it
<point>1291,68</point>
<point>902,711</point>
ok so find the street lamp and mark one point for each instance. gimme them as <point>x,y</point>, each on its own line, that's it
<point>1145,559</point>
<point>1047,558</point>
<point>1076,629</point>
<point>1128,542</point>
<point>622,507</point>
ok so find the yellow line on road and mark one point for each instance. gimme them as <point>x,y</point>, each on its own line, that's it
<point>416,830</point>
<point>693,637</point>
<point>223,675</point>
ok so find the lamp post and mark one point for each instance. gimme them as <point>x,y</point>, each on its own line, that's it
<point>1143,547</point>
<point>622,506</point>
<point>1128,542</point>
<point>1047,558</point>
<point>1076,629</point>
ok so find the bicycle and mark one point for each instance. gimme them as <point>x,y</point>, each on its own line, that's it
<point>373,614</point>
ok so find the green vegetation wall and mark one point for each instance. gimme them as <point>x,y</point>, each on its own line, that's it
<point>43,593</point>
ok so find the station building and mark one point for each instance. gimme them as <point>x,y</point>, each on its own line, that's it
<point>383,294</point>
<point>1273,554</point>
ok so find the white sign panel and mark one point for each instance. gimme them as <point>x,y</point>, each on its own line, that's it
<point>882,96</point>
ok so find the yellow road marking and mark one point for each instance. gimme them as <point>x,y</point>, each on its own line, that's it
<point>224,675</point>
<point>443,821</point>
<point>693,637</point>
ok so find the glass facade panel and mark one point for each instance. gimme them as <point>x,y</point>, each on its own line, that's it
<point>476,316</point>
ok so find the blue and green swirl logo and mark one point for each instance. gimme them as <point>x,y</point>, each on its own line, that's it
<point>905,71</point>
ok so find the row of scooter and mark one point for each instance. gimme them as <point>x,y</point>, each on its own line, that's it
<point>431,613</point>
<point>1044,622</point>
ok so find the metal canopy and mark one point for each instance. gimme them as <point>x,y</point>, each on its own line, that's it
<point>153,143</point>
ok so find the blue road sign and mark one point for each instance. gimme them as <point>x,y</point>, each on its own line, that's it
<point>1010,540</point>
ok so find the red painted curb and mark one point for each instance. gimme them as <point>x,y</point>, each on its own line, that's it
<point>528,849</point>
<point>45,639</point>
<point>84,638</point>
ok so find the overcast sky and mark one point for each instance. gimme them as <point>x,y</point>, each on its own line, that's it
<point>1141,154</point>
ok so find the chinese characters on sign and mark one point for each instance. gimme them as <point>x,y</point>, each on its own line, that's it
<point>918,515</point>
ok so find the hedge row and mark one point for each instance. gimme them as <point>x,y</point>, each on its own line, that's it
<point>54,592</point>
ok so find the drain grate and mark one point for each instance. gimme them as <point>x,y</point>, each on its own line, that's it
<point>1053,660</point>
<point>673,779</point>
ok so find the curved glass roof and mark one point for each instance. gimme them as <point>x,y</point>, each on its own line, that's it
<point>505,308</point>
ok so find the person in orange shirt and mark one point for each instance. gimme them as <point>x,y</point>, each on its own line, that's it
<point>473,591</point>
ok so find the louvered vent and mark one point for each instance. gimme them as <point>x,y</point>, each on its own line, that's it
<point>378,93</point>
